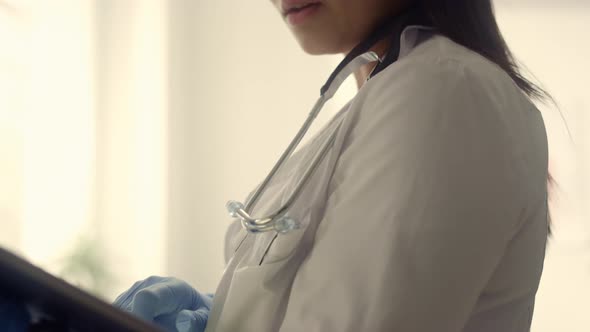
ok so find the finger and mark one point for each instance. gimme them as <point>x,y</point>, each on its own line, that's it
<point>165,298</point>
<point>122,301</point>
<point>167,322</point>
<point>192,321</point>
<point>145,304</point>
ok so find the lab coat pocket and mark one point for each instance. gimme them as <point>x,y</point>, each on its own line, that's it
<point>255,292</point>
<point>235,237</point>
<point>239,239</point>
<point>282,246</point>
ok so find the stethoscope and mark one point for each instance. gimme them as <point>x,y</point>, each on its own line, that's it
<point>279,220</point>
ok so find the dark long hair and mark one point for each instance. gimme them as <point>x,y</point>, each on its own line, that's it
<point>472,23</point>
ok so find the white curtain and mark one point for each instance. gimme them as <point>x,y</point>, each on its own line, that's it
<point>83,137</point>
<point>47,109</point>
<point>131,154</point>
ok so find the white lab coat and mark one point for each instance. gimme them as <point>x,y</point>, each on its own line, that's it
<point>429,212</point>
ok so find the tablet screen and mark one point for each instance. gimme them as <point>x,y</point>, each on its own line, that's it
<point>70,308</point>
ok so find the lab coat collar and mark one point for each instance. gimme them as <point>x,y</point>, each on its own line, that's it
<point>412,36</point>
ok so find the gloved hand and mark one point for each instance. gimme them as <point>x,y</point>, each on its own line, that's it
<point>14,316</point>
<point>169,302</point>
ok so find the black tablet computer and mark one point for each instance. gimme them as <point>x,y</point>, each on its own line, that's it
<point>70,309</point>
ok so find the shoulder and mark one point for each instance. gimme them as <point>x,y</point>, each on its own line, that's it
<point>438,62</point>
<point>441,105</point>
<point>441,80</point>
<point>445,106</point>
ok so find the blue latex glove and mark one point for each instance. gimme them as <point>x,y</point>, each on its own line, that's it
<point>14,317</point>
<point>169,302</point>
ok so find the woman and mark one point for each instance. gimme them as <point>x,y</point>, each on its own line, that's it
<point>429,211</point>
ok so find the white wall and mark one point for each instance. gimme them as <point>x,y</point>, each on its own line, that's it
<point>552,42</point>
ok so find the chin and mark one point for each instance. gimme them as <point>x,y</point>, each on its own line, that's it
<point>317,49</point>
<point>320,46</point>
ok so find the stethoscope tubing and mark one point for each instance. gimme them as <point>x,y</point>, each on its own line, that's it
<point>358,57</point>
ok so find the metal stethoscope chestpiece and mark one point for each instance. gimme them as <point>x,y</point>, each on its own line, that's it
<point>280,221</point>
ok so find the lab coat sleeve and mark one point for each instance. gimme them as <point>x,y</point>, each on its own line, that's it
<point>424,200</point>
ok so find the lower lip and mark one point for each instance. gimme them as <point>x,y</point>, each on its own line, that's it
<point>301,16</point>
